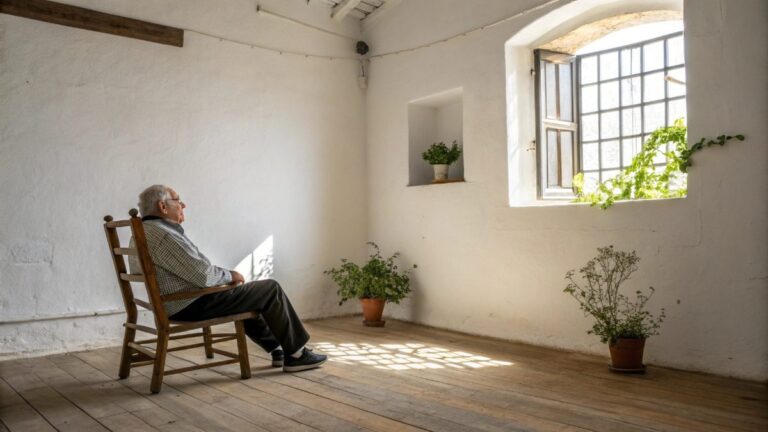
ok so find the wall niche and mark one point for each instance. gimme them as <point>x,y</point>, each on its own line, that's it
<point>431,119</point>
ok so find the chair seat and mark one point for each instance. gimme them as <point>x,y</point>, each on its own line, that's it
<point>188,325</point>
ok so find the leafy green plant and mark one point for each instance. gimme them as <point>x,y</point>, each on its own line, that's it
<point>617,316</point>
<point>378,278</point>
<point>440,154</point>
<point>642,180</point>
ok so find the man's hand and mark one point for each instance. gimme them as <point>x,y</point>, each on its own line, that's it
<point>237,278</point>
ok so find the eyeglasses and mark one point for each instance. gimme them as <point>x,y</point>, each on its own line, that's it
<point>175,199</point>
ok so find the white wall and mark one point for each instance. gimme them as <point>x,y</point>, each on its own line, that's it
<point>491,269</point>
<point>257,143</point>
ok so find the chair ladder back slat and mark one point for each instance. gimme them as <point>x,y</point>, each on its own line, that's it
<point>128,277</point>
<point>126,251</point>
<point>142,303</point>
<point>150,277</point>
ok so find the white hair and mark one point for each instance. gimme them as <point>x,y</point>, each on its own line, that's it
<point>149,198</point>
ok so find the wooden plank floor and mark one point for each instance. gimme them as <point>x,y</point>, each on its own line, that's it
<point>402,377</point>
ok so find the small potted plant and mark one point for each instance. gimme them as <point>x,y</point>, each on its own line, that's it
<point>441,157</point>
<point>375,283</point>
<point>620,320</point>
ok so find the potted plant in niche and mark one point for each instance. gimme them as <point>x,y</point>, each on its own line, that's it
<point>376,282</point>
<point>440,156</point>
<point>620,320</point>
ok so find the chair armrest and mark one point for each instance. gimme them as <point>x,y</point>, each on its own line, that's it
<point>197,293</point>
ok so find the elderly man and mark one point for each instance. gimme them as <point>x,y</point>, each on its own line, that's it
<point>180,267</point>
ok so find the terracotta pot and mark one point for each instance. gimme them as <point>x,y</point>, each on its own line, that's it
<point>627,354</point>
<point>372,311</point>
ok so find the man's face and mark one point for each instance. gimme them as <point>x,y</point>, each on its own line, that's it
<point>173,208</point>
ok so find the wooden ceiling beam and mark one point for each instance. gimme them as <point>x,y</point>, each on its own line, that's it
<point>73,16</point>
<point>342,9</point>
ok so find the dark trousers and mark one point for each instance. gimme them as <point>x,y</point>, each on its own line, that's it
<point>277,324</point>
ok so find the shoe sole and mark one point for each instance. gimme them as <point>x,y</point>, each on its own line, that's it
<point>303,367</point>
<point>277,363</point>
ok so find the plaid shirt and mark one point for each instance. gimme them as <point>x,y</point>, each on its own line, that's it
<point>179,265</point>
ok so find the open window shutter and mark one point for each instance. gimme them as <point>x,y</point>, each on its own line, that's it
<point>556,127</point>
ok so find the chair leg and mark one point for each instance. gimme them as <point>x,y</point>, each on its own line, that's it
<point>242,350</point>
<point>159,368</point>
<point>125,357</point>
<point>208,342</point>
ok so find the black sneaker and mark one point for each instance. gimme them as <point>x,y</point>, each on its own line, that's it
<point>278,356</point>
<point>308,360</point>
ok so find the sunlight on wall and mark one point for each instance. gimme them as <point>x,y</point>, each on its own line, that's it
<point>405,356</point>
<point>259,264</point>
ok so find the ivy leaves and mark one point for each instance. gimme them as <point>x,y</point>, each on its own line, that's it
<point>643,179</point>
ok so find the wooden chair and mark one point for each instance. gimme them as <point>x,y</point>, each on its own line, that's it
<point>135,353</point>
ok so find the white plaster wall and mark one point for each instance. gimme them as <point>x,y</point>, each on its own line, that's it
<point>491,269</point>
<point>257,143</point>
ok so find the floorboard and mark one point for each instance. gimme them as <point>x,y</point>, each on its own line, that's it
<point>402,377</point>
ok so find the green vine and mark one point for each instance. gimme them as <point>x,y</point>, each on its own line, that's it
<point>641,180</point>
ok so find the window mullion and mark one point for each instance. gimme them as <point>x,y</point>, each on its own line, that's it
<point>621,118</point>
<point>599,122</point>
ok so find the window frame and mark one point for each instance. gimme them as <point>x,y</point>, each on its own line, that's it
<point>544,124</point>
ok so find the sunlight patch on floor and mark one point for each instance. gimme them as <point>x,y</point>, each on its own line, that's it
<point>405,356</point>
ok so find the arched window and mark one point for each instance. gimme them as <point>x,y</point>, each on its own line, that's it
<point>596,92</point>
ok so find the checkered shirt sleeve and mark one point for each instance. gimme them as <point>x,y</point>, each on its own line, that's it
<point>179,264</point>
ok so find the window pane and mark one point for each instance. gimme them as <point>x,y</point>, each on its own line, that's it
<point>609,66</point>
<point>654,117</point>
<point>675,88</point>
<point>566,158</point>
<point>552,170</point>
<point>609,124</point>
<point>630,91</point>
<point>588,70</point>
<point>653,87</point>
<point>677,181</point>
<point>589,127</point>
<point>550,79</point>
<point>653,56</point>
<point>609,174</point>
<point>590,181</point>
<point>630,61</point>
<point>610,153</point>
<point>631,121</point>
<point>675,51</point>
<point>566,95</point>
<point>676,110</point>
<point>609,95</point>
<point>659,157</point>
<point>589,154</point>
<point>589,98</point>
<point>630,147</point>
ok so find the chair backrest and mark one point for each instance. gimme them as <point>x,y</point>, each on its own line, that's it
<point>147,276</point>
